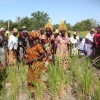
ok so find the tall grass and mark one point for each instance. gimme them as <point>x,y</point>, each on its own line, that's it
<point>53,81</point>
<point>79,76</point>
<point>39,90</point>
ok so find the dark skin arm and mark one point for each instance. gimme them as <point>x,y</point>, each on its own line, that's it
<point>42,55</point>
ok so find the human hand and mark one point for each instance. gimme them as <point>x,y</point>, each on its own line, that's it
<point>30,62</point>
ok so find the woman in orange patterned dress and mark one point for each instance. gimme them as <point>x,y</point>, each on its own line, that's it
<point>34,57</point>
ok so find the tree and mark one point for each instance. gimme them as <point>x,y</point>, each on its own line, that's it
<point>69,27</point>
<point>56,26</point>
<point>84,25</point>
<point>39,19</point>
<point>88,24</point>
<point>26,22</point>
<point>2,23</point>
<point>94,22</point>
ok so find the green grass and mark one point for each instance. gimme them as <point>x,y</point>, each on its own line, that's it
<point>80,76</point>
<point>81,33</point>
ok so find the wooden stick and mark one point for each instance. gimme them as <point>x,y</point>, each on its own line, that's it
<point>96,58</point>
<point>95,62</point>
<point>83,58</point>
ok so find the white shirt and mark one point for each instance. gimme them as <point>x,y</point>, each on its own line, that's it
<point>74,41</point>
<point>12,42</point>
<point>81,44</point>
<point>90,37</point>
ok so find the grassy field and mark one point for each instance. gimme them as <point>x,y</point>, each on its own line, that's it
<point>80,81</point>
<point>82,33</point>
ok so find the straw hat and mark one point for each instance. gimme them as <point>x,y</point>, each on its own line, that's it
<point>62,26</point>
<point>23,26</point>
<point>49,25</point>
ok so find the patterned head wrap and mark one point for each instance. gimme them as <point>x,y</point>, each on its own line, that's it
<point>35,34</point>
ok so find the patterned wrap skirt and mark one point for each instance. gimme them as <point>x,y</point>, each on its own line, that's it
<point>34,72</point>
<point>2,54</point>
<point>12,58</point>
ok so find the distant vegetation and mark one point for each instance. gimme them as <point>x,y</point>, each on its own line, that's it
<point>39,19</point>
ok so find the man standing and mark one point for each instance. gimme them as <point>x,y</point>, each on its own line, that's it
<point>97,42</point>
<point>12,47</point>
<point>89,38</point>
<point>81,44</point>
<point>74,42</point>
<point>90,35</point>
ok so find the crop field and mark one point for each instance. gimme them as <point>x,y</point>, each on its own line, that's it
<point>80,81</point>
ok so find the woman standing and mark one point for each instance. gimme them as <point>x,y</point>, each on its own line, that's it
<point>3,46</point>
<point>49,43</point>
<point>62,42</point>
<point>34,58</point>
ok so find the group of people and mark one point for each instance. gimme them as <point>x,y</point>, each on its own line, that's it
<point>41,47</point>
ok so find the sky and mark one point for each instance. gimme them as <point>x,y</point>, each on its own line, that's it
<point>72,11</point>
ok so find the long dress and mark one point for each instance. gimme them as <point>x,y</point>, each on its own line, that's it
<point>3,47</point>
<point>34,71</point>
<point>49,49</point>
<point>62,52</point>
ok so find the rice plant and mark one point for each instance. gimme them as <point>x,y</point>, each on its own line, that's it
<point>80,77</point>
<point>39,90</point>
<point>53,81</point>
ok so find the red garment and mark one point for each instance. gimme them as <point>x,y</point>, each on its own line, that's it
<point>20,34</point>
<point>97,39</point>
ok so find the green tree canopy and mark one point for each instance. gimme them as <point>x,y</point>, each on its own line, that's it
<point>84,25</point>
<point>39,19</point>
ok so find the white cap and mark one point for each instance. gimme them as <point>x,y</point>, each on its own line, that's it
<point>33,30</point>
<point>56,31</point>
<point>15,30</point>
<point>93,29</point>
<point>2,29</point>
<point>75,33</point>
<point>7,32</point>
